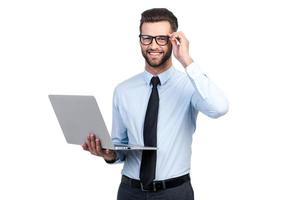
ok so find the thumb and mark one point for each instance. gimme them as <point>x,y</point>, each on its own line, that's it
<point>108,151</point>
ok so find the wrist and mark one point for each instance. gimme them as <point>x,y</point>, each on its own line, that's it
<point>111,159</point>
<point>187,61</point>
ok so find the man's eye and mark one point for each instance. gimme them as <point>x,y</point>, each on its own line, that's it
<point>162,38</point>
<point>146,38</point>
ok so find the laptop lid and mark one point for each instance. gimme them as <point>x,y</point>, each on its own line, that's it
<point>80,115</point>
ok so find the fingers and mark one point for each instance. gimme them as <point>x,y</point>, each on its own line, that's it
<point>173,41</point>
<point>93,145</point>
<point>85,146</point>
<point>178,38</point>
<point>88,143</point>
<point>180,46</point>
<point>98,148</point>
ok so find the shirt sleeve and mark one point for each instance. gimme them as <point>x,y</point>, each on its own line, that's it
<point>119,131</point>
<point>207,97</point>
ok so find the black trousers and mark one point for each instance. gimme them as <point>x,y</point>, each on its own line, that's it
<point>182,192</point>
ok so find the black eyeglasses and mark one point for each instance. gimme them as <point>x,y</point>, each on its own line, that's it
<point>161,40</point>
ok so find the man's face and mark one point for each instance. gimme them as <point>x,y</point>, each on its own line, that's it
<point>155,54</point>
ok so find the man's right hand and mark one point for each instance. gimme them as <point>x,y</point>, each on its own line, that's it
<point>93,145</point>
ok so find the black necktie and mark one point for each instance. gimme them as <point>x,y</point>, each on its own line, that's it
<point>148,164</point>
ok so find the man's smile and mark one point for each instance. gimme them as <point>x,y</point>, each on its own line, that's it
<point>154,54</point>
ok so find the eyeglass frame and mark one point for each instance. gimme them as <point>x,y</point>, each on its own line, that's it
<point>150,36</point>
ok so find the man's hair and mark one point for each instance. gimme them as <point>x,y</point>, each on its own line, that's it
<point>158,15</point>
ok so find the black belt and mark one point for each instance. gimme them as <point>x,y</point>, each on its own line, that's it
<point>156,185</point>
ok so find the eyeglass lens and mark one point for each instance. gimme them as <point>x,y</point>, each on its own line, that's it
<point>160,39</point>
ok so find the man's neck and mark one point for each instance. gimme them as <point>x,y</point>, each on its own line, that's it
<point>157,70</point>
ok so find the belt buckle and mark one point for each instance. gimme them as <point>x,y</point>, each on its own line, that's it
<point>145,190</point>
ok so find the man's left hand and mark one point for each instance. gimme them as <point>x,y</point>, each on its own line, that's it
<point>180,46</point>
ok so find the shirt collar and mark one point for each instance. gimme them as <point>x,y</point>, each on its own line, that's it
<point>163,77</point>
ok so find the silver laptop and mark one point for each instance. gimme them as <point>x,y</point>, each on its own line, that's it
<point>80,115</point>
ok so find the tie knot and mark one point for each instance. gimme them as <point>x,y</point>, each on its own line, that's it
<point>155,81</point>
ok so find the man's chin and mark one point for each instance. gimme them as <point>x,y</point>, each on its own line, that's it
<point>154,65</point>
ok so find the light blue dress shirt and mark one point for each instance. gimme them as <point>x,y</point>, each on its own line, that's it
<point>181,96</point>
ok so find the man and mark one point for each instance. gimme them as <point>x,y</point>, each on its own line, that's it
<point>159,108</point>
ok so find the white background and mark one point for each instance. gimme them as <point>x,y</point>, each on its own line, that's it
<point>250,49</point>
